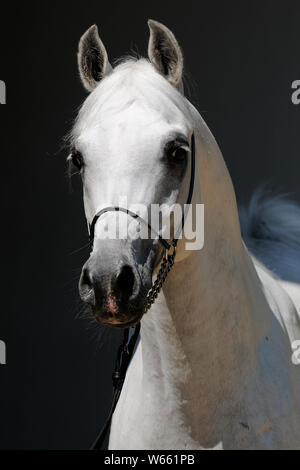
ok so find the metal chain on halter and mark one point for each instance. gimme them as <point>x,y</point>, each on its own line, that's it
<point>165,267</point>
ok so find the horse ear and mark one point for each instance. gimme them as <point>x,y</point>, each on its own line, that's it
<point>92,59</point>
<point>164,53</point>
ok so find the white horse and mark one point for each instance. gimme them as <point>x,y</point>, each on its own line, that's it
<point>217,365</point>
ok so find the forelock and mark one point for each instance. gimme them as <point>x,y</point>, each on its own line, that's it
<point>132,80</point>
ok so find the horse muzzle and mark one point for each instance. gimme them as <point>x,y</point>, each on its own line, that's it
<point>112,285</point>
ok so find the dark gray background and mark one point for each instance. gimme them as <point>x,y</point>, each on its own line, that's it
<point>241,58</point>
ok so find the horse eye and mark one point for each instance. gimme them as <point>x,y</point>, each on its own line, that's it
<point>177,152</point>
<point>77,159</point>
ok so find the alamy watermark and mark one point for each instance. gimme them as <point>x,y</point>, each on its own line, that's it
<point>2,92</point>
<point>158,220</point>
<point>296,93</point>
<point>2,353</point>
<point>296,353</point>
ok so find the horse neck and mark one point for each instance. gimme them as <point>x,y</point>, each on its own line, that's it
<point>203,333</point>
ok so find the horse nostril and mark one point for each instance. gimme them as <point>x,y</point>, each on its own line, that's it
<point>124,283</point>
<point>86,288</point>
<point>86,280</point>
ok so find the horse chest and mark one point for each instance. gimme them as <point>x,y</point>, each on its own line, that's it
<point>150,413</point>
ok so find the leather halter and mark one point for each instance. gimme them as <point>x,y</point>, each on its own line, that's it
<point>127,348</point>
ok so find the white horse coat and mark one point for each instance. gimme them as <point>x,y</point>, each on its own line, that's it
<point>213,367</point>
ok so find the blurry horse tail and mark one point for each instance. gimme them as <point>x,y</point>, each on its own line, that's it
<point>270,226</point>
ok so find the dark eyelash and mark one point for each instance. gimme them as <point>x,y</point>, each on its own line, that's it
<point>177,143</point>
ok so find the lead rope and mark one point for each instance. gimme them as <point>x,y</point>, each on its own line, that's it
<point>124,355</point>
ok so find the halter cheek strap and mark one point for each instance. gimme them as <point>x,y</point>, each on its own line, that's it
<point>127,348</point>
